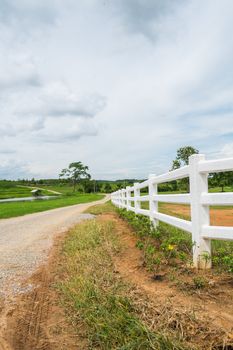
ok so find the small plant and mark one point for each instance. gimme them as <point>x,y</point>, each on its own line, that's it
<point>205,256</point>
<point>223,256</point>
<point>199,282</point>
<point>140,245</point>
<point>157,263</point>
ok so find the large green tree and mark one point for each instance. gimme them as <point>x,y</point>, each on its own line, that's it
<point>182,156</point>
<point>75,172</point>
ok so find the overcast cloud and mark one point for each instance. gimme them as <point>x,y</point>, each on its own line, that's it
<point>117,84</point>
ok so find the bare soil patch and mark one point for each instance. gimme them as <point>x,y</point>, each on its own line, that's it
<point>218,217</point>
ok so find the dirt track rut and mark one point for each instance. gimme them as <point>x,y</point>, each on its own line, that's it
<point>25,242</point>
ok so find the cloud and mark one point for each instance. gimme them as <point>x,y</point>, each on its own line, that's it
<point>57,100</point>
<point>27,13</point>
<point>52,113</point>
<point>17,71</point>
<point>67,129</point>
<point>140,17</point>
<point>227,150</point>
<point>13,170</point>
<point>141,77</point>
<point>7,151</point>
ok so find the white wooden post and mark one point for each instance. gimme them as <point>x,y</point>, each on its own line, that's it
<point>118,199</point>
<point>128,194</point>
<point>124,198</point>
<point>137,204</point>
<point>153,205</point>
<point>121,194</point>
<point>199,213</point>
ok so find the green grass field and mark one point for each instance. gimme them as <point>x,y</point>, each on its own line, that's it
<point>63,188</point>
<point>8,210</point>
<point>12,190</point>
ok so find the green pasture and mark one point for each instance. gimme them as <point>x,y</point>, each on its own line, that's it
<point>13,209</point>
<point>13,190</point>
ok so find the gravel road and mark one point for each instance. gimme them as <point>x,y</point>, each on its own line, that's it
<point>25,242</point>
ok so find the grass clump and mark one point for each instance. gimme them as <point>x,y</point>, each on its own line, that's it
<point>222,255</point>
<point>97,298</point>
<point>107,207</point>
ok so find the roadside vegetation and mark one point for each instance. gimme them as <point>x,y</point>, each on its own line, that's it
<point>108,305</point>
<point>167,246</point>
<point>100,304</point>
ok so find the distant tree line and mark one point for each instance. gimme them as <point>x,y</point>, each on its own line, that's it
<point>76,175</point>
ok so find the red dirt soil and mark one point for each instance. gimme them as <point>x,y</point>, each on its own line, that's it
<point>218,217</point>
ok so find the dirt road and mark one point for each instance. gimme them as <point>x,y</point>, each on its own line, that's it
<point>25,242</point>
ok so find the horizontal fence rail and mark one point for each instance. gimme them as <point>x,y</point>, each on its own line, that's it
<point>199,200</point>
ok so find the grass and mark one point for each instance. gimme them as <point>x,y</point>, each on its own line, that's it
<point>62,188</point>
<point>8,210</point>
<point>97,300</point>
<point>13,191</point>
<point>107,207</point>
<point>219,189</point>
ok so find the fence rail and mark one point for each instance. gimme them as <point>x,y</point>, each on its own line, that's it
<point>199,200</point>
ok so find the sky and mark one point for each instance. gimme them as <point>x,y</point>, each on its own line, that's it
<point>117,84</point>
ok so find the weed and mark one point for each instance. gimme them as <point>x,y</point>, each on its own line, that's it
<point>199,282</point>
<point>140,245</point>
<point>222,255</point>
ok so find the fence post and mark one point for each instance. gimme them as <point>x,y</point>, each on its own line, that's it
<point>118,199</point>
<point>127,197</point>
<point>137,204</point>
<point>124,198</point>
<point>153,205</point>
<point>199,213</point>
<point>121,197</point>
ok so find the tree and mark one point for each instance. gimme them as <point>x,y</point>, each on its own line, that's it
<point>75,173</point>
<point>182,156</point>
<point>221,179</point>
<point>108,187</point>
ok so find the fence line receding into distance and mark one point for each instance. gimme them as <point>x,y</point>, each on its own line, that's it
<point>199,199</point>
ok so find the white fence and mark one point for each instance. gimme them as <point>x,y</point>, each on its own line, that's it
<point>199,199</point>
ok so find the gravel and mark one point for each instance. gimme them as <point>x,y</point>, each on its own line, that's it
<point>25,243</point>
